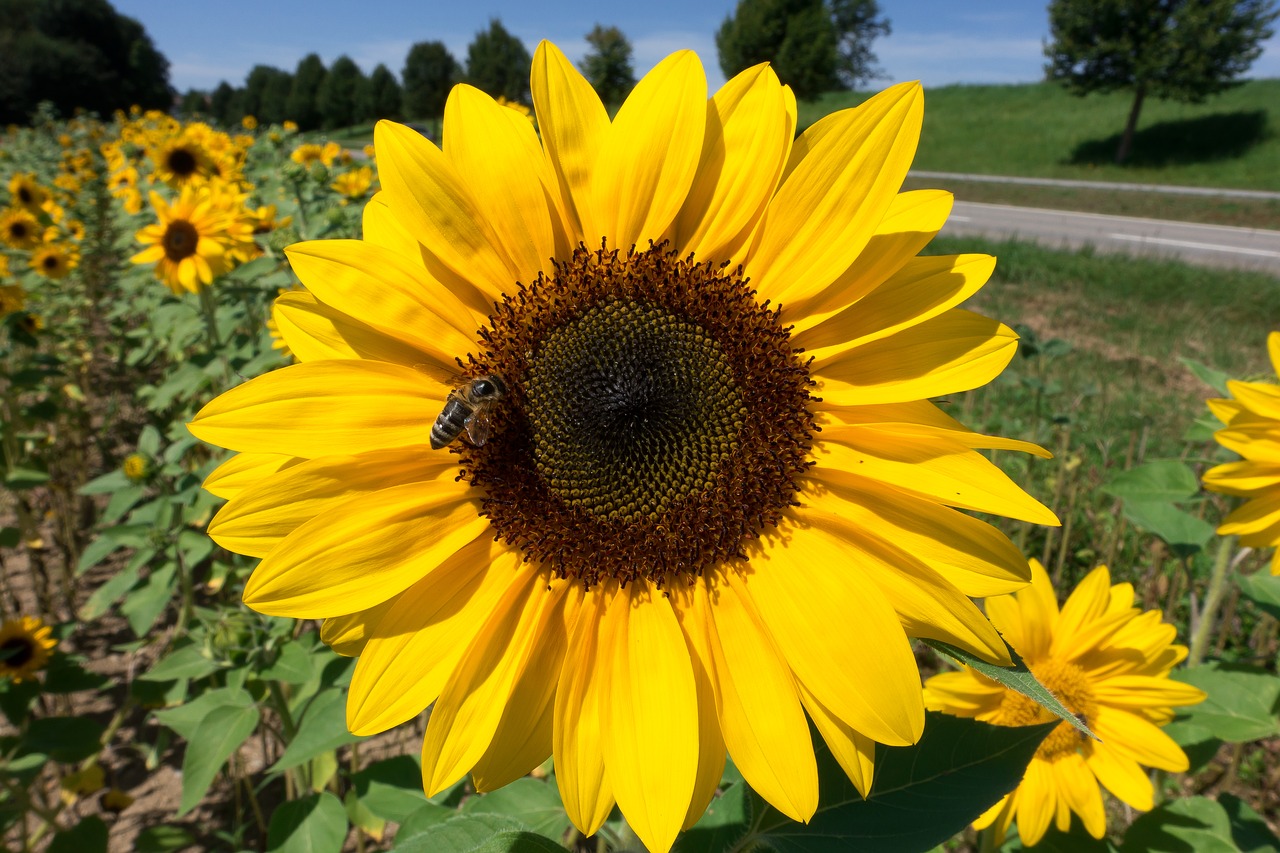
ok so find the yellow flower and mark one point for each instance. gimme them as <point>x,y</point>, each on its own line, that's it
<point>136,467</point>
<point>19,228</point>
<point>12,298</point>
<point>334,153</point>
<point>25,644</point>
<point>290,126</point>
<point>26,192</point>
<point>183,161</point>
<point>368,151</point>
<point>1252,419</point>
<point>249,123</point>
<point>191,244</point>
<point>639,551</point>
<point>307,153</point>
<point>54,260</point>
<point>1109,663</point>
<point>263,219</point>
<point>81,783</point>
<point>116,800</point>
<point>354,184</point>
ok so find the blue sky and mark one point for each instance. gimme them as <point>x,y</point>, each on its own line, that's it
<point>936,41</point>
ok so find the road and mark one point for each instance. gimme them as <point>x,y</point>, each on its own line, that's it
<point>1209,245</point>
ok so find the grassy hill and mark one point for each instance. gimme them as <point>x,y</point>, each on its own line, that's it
<point>1231,140</point>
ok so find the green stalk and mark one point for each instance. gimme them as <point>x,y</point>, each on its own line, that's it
<point>1212,599</point>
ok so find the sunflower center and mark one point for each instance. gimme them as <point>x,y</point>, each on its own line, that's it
<point>50,262</point>
<point>25,196</point>
<point>1069,683</point>
<point>16,651</point>
<point>180,240</point>
<point>657,417</point>
<point>18,230</point>
<point>182,162</point>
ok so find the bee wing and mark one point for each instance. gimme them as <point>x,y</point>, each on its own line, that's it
<point>479,425</point>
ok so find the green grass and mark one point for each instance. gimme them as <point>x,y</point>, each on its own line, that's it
<point>1231,140</point>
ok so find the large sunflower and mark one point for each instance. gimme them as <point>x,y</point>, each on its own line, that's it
<point>25,191</point>
<point>655,554</point>
<point>25,644</point>
<point>193,242</point>
<point>1109,663</point>
<point>20,229</point>
<point>54,260</point>
<point>1252,419</point>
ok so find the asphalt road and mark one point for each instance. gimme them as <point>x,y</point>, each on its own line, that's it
<point>1209,245</point>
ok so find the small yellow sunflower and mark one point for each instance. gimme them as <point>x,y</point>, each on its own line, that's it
<point>289,126</point>
<point>263,219</point>
<point>136,467</point>
<point>651,517</point>
<point>308,153</point>
<point>25,644</point>
<point>12,298</point>
<point>1252,419</point>
<point>54,260</point>
<point>184,160</point>
<point>20,229</point>
<point>249,123</point>
<point>1109,663</point>
<point>26,192</point>
<point>190,245</point>
<point>354,184</point>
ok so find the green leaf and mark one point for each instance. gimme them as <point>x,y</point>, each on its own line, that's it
<point>131,535</point>
<point>9,537</point>
<point>1175,526</point>
<point>358,814</point>
<point>216,737</point>
<point>1194,823</point>
<point>391,789</point>
<point>323,727</point>
<point>1263,589</point>
<point>313,824</point>
<point>922,794</point>
<point>1167,480</point>
<point>293,665</point>
<point>1017,677</point>
<point>110,592</point>
<point>423,819</point>
<point>1242,701</point>
<point>189,661</point>
<point>145,604</point>
<point>1248,829</point>
<point>87,836</point>
<point>195,546</point>
<point>66,739</point>
<point>1076,840</point>
<point>66,675</point>
<point>149,441</point>
<point>534,803</point>
<point>1196,741</point>
<point>122,500</point>
<point>1215,379</point>
<point>724,822</point>
<point>481,833</point>
<point>185,719</point>
<point>162,839</point>
<point>25,478</point>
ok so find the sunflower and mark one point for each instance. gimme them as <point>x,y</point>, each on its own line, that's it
<point>136,467</point>
<point>190,245</point>
<point>307,154</point>
<point>25,644</point>
<point>26,192</point>
<point>1252,419</point>
<point>19,228</point>
<point>354,184</point>
<point>640,550</point>
<point>12,298</point>
<point>184,160</point>
<point>249,123</point>
<point>54,260</point>
<point>1109,663</point>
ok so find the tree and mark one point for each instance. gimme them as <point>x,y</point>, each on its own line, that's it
<point>498,63</point>
<point>858,24</point>
<point>340,93</point>
<point>266,93</point>
<point>381,97</point>
<point>429,72</point>
<point>194,102</point>
<point>301,105</point>
<point>224,104</point>
<point>1184,50</point>
<point>608,64</point>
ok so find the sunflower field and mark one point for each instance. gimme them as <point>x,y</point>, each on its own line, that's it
<point>594,483</point>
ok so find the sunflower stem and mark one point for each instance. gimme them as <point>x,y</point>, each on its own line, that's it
<point>1204,625</point>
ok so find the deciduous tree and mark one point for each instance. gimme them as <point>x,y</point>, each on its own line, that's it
<point>607,66</point>
<point>340,92</point>
<point>302,105</point>
<point>498,63</point>
<point>381,96</point>
<point>429,71</point>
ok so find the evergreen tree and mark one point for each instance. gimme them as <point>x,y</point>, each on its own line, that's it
<point>381,97</point>
<point>194,103</point>
<point>266,93</point>
<point>608,64</point>
<point>1184,50</point>
<point>340,92</point>
<point>301,105</point>
<point>223,102</point>
<point>498,63</point>
<point>429,72</point>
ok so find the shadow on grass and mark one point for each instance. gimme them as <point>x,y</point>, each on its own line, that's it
<point>1221,136</point>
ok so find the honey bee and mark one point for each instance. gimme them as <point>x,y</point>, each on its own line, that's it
<point>469,407</point>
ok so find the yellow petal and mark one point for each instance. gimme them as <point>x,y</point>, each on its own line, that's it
<point>380,226</point>
<point>1120,775</point>
<point>497,155</point>
<point>348,635</point>
<point>650,154</point>
<point>523,739</point>
<point>259,518</point>
<point>1085,605</point>
<point>963,693</point>
<point>324,408</point>
<point>854,751</point>
<point>747,138</point>
<point>473,700</point>
<point>828,208</point>
<point>923,418</point>
<point>1079,790</point>
<point>1254,441</point>
<point>760,715</point>
<point>425,190</point>
<point>573,124</point>
<point>243,470</point>
<point>1259,398</point>
<point>364,550</point>
<point>1037,802</point>
<point>1242,478</point>
<point>805,602</point>
<point>579,757</point>
<point>949,474</point>
<point>1258,515</point>
<point>649,714</point>
<point>953,352</point>
<point>418,643</point>
<point>1145,691</point>
<point>910,223</point>
<point>1131,735</point>
<point>921,290</point>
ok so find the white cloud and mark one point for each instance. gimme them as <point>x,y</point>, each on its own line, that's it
<point>941,58</point>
